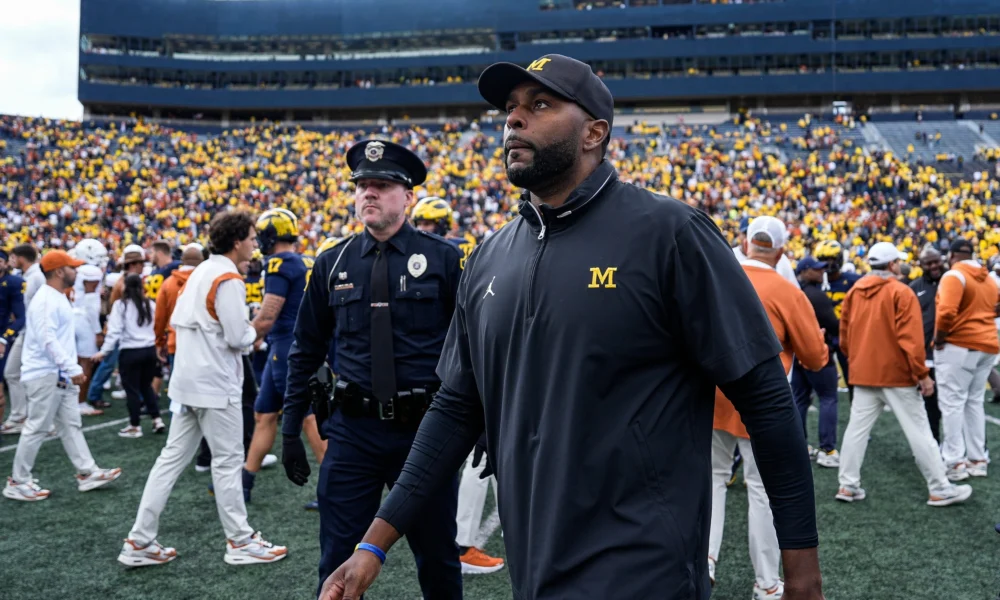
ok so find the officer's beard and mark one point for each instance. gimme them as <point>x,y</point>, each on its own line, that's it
<point>549,164</point>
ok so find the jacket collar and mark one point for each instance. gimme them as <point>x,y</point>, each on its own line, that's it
<point>398,241</point>
<point>593,188</point>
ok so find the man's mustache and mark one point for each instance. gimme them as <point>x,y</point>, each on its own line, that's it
<point>518,140</point>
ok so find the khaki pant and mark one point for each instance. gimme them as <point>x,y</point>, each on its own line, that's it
<point>471,500</point>
<point>908,408</point>
<point>961,380</point>
<point>48,404</point>
<point>222,428</point>
<point>764,552</point>
<point>12,373</point>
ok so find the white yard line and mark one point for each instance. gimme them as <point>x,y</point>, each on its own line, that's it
<point>491,524</point>
<point>86,429</point>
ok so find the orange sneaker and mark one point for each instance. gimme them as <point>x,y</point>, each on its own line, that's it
<point>476,562</point>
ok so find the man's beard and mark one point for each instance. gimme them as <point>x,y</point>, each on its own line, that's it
<point>549,163</point>
<point>385,221</point>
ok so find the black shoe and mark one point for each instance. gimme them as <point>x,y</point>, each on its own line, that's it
<point>737,461</point>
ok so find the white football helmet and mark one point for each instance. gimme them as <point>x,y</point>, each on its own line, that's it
<point>92,252</point>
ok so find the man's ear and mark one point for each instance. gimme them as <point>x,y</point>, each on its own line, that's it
<point>597,132</point>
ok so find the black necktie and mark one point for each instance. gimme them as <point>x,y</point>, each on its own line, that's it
<point>383,362</point>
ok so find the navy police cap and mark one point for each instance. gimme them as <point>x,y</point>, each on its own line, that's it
<point>378,159</point>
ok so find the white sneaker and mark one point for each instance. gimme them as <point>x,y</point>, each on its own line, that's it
<point>134,555</point>
<point>829,459</point>
<point>158,426</point>
<point>119,395</point>
<point>107,384</point>
<point>977,468</point>
<point>950,495</point>
<point>812,452</point>
<point>957,472</point>
<point>87,410</point>
<point>25,492</point>
<point>202,468</point>
<point>711,571</point>
<point>130,432</point>
<point>850,494</point>
<point>97,478</point>
<point>12,427</point>
<point>269,461</point>
<point>773,593</point>
<point>252,551</point>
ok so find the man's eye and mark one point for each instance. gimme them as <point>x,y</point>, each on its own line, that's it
<point>510,109</point>
<point>541,104</point>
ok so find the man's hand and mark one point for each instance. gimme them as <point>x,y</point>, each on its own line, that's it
<point>293,457</point>
<point>926,386</point>
<point>99,357</point>
<point>939,340</point>
<point>352,578</point>
<point>78,379</point>
<point>802,577</point>
<point>479,455</point>
<point>3,350</point>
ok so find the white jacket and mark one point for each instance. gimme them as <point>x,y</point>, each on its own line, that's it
<point>213,326</point>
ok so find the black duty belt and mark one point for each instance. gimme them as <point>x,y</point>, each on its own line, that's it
<point>406,407</point>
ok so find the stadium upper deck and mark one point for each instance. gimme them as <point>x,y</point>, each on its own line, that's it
<point>309,59</point>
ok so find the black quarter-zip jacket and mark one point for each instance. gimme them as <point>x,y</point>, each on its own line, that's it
<point>588,341</point>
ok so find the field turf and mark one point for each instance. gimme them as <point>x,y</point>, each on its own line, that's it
<point>891,546</point>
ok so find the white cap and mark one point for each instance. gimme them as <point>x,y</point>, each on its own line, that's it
<point>883,253</point>
<point>90,273</point>
<point>773,228</point>
<point>195,245</point>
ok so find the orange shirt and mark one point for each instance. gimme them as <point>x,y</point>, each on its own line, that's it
<point>795,325</point>
<point>165,302</point>
<point>882,334</point>
<point>966,307</point>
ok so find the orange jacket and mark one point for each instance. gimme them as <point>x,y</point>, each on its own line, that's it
<point>794,323</point>
<point>165,302</point>
<point>882,334</point>
<point>966,307</point>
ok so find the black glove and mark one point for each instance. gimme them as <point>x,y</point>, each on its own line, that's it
<point>479,454</point>
<point>293,456</point>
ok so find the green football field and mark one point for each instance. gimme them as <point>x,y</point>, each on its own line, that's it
<point>890,546</point>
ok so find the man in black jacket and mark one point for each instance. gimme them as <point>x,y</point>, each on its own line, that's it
<point>824,381</point>
<point>589,337</point>
<point>925,287</point>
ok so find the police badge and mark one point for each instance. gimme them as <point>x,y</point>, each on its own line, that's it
<point>416,265</point>
<point>374,150</point>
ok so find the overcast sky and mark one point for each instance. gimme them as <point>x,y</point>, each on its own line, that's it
<point>39,42</point>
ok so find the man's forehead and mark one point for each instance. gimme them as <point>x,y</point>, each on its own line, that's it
<point>529,89</point>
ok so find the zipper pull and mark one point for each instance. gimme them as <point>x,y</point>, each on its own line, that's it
<point>541,234</point>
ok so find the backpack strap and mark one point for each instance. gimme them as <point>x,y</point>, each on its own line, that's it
<point>210,298</point>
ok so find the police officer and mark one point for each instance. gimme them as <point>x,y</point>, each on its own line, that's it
<point>388,295</point>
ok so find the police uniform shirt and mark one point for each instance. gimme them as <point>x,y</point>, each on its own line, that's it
<point>423,280</point>
<point>588,340</point>
<point>285,277</point>
<point>12,315</point>
<point>154,281</point>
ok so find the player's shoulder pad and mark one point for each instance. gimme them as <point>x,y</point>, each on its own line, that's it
<point>440,240</point>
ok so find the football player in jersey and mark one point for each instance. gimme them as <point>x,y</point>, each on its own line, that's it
<point>286,274</point>
<point>434,215</point>
<point>254,280</point>
<point>12,318</point>
<point>164,264</point>
<point>837,282</point>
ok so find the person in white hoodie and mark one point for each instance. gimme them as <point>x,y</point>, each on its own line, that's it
<point>213,328</point>
<point>87,313</point>
<point>130,328</point>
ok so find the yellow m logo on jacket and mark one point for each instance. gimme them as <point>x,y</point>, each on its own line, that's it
<point>602,278</point>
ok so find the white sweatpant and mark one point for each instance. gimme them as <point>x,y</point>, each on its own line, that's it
<point>471,501</point>
<point>764,552</point>
<point>12,374</point>
<point>47,404</point>
<point>222,428</point>
<point>961,379</point>
<point>908,408</point>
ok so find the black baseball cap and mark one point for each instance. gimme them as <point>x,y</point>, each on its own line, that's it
<point>379,159</point>
<point>565,76</point>
<point>961,246</point>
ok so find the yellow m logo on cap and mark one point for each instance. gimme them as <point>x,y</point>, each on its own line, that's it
<point>539,64</point>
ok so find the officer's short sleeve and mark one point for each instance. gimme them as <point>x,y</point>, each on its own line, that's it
<point>455,366</point>
<point>722,322</point>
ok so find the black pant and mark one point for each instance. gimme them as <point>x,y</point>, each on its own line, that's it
<point>138,367</point>
<point>204,458</point>
<point>933,411</point>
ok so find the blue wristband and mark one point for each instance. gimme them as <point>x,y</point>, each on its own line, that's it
<point>373,549</point>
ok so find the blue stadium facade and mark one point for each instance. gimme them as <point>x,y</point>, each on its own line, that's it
<point>344,59</point>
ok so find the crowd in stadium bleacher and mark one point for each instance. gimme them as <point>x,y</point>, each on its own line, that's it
<point>131,181</point>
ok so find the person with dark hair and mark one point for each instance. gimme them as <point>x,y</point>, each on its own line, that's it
<point>25,258</point>
<point>206,393</point>
<point>130,326</point>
